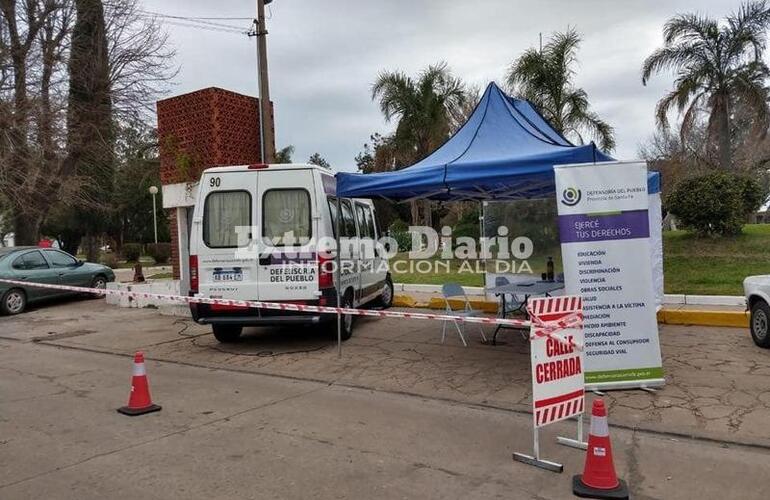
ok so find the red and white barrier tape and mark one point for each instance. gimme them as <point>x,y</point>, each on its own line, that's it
<point>542,328</point>
<point>549,327</point>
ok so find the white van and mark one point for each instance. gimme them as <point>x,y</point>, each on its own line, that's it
<point>266,232</point>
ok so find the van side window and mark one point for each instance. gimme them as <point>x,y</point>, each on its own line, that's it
<point>370,221</point>
<point>361,218</point>
<point>333,212</point>
<point>223,212</point>
<point>348,222</point>
<point>365,221</point>
<point>286,214</point>
<point>374,226</point>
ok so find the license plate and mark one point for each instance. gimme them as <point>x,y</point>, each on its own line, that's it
<point>229,275</point>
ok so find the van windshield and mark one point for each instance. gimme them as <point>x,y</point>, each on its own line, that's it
<point>223,213</point>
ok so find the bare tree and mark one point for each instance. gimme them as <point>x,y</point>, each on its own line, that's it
<point>141,60</point>
<point>41,154</point>
<point>21,25</point>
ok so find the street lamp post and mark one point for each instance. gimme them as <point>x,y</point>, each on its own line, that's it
<point>153,192</point>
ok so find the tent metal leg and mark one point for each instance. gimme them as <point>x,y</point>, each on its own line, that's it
<point>338,272</point>
<point>481,243</point>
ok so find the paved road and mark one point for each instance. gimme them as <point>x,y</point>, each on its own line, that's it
<point>232,429</point>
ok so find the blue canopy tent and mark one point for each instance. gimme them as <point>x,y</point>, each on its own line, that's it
<point>505,151</point>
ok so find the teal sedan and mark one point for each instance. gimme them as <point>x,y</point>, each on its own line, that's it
<point>44,265</point>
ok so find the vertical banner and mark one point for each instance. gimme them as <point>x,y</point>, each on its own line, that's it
<point>557,367</point>
<point>605,239</point>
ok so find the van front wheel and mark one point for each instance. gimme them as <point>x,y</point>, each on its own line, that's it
<point>227,334</point>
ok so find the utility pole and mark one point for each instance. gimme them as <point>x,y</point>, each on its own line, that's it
<point>265,116</point>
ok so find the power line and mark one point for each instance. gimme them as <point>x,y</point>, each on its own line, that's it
<point>196,22</point>
<point>197,18</point>
<point>238,31</point>
<point>202,18</point>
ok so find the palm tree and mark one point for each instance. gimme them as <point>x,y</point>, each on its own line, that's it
<point>426,109</point>
<point>544,77</point>
<point>719,69</point>
<point>284,155</point>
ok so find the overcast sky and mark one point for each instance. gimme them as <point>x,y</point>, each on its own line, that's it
<point>324,56</point>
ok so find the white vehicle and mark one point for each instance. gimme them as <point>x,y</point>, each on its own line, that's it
<point>267,232</point>
<point>757,290</point>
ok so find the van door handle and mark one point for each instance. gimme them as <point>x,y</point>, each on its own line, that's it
<point>265,261</point>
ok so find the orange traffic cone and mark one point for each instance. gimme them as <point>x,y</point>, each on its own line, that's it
<point>599,479</point>
<point>139,401</point>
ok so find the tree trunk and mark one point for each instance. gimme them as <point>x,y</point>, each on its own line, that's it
<point>723,129</point>
<point>72,245</point>
<point>92,248</point>
<point>26,229</point>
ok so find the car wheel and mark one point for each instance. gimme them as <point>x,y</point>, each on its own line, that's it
<point>347,320</point>
<point>14,301</point>
<point>99,282</point>
<point>760,318</point>
<point>227,334</point>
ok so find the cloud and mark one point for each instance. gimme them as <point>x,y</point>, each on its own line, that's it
<point>324,56</point>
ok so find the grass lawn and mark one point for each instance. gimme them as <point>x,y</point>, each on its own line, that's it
<point>714,266</point>
<point>471,274</point>
<point>692,265</point>
<point>160,276</point>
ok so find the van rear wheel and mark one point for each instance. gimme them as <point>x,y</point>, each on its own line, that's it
<point>347,321</point>
<point>385,300</point>
<point>227,334</point>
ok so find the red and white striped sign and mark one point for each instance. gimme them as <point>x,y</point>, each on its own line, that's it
<point>557,363</point>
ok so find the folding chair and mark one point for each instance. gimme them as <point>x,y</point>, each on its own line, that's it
<point>451,290</point>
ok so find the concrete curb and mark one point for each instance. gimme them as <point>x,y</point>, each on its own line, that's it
<point>668,315</point>
<point>704,317</point>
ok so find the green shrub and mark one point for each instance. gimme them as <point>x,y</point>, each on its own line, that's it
<point>717,203</point>
<point>161,252</point>
<point>109,260</point>
<point>399,226</point>
<point>132,252</point>
<point>404,240</point>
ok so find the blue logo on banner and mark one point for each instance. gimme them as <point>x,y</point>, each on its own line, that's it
<point>571,196</point>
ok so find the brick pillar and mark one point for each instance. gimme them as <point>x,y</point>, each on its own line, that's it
<point>206,128</point>
<point>173,229</point>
